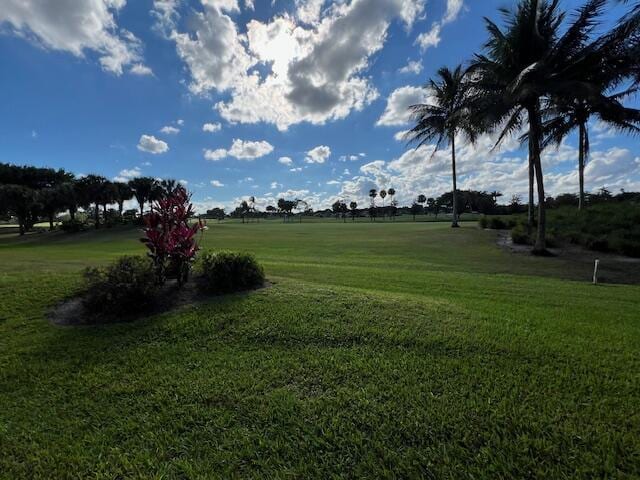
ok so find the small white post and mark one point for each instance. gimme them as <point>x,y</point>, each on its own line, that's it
<point>595,272</point>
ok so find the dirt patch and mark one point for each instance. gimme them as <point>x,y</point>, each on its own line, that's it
<point>613,268</point>
<point>72,311</point>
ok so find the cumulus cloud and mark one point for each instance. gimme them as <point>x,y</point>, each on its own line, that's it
<point>241,149</point>
<point>77,27</point>
<point>150,144</point>
<point>432,38</point>
<point>414,67</point>
<point>313,62</point>
<point>318,154</point>
<point>215,155</point>
<point>285,160</point>
<point>217,183</point>
<point>211,127</point>
<point>127,174</point>
<point>169,130</point>
<point>397,112</point>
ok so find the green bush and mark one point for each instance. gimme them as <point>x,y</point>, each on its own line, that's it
<point>127,286</point>
<point>520,235</point>
<point>483,222</point>
<point>73,226</point>
<point>225,272</point>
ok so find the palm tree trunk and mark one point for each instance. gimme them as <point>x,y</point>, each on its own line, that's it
<point>141,210</point>
<point>120,207</point>
<point>540,246</point>
<point>97,215</point>
<point>581,158</point>
<point>50,222</point>
<point>454,223</point>
<point>530,218</point>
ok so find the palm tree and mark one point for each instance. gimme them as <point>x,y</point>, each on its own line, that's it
<point>91,190</point>
<point>144,189</point>
<point>373,193</point>
<point>606,63</point>
<point>525,64</point>
<point>421,200</point>
<point>383,195</point>
<point>353,206</point>
<point>442,120</point>
<point>123,192</point>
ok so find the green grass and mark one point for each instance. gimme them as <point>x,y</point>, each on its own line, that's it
<point>381,351</point>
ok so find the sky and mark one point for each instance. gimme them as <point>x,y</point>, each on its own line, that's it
<point>266,98</point>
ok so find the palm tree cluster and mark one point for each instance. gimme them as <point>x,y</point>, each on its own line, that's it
<point>29,193</point>
<point>544,74</point>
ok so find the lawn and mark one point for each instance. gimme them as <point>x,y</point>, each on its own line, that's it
<point>382,350</point>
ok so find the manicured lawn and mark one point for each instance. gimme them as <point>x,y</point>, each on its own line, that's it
<point>384,350</point>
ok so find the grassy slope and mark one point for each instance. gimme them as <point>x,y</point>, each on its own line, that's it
<point>382,351</point>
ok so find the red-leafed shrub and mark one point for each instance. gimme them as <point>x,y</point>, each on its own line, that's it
<point>169,237</point>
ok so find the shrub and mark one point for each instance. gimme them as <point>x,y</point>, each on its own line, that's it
<point>73,226</point>
<point>483,222</point>
<point>520,235</point>
<point>225,272</point>
<point>169,237</point>
<point>127,286</point>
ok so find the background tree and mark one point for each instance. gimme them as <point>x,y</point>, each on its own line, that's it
<point>394,205</point>
<point>373,193</point>
<point>442,120</point>
<point>416,209</point>
<point>92,191</point>
<point>353,206</point>
<point>123,192</point>
<point>21,202</point>
<point>383,195</point>
<point>420,200</point>
<point>144,189</point>
<point>536,57</point>
<point>52,202</point>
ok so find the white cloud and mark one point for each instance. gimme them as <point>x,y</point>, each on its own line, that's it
<point>431,38</point>
<point>247,150</point>
<point>296,169</point>
<point>211,127</point>
<point>241,149</point>
<point>150,144</point>
<point>333,182</point>
<point>397,110</point>
<point>318,154</point>
<point>454,7</point>
<point>285,160</point>
<point>414,67</point>
<point>275,185</point>
<point>215,155</point>
<point>75,27</point>
<point>314,70</point>
<point>169,130</point>
<point>180,122</point>
<point>127,174</point>
<point>216,183</point>
<point>140,69</point>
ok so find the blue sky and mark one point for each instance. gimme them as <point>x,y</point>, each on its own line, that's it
<point>300,98</point>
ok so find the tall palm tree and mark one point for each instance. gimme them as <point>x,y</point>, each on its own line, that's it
<point>391,192</point>
<point>353,207</point>
<point>123,193</point>
<point>526,63</point>
<point>144,189</point>
<point>92,191</point>
<point>443,119</point>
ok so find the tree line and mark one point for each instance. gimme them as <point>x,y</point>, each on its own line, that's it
<point>33,193</point>
<point>540,74</point>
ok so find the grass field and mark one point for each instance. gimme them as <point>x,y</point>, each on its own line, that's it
<point>405,350</point>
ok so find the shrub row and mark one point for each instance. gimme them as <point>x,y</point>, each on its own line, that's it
<point>606,227</point>
<point>129,286</point>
